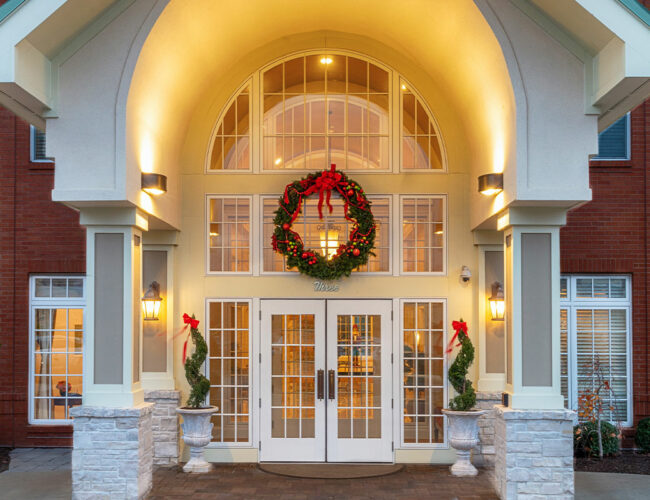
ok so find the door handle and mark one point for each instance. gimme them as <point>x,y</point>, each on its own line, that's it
<point>331,384</point>
<point>321,384</point>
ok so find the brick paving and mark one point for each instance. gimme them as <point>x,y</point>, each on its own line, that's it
<point>247,481</point>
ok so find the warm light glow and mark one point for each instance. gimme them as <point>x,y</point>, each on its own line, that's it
<point>329,242</point>
<point>403,87</point>
<point>278,161</point>
<point>326,60</point>
<point>497,302</point>
<point>490,192</point>
<point>146,154</point>
<point>153,191</point>
<point>151,301</point>
<point>438,229</point>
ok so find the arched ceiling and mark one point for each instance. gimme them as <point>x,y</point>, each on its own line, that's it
<point>195,46</point>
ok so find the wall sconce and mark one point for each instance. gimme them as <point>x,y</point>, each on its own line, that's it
<point>489,184</point>
<point>154,184</point>
<point>151,301</point>
<point>329,242</point>
<point>497,302</point>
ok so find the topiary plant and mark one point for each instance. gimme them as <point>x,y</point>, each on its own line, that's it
<point>199,384</point>
<point>585,439</point>
<point>466,397</point>
<point>642,438</point>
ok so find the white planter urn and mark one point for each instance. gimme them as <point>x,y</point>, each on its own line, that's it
<point>463,437</point>
<point>197,433</point>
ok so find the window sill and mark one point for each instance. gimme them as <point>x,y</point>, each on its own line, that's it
<point>610,163</point>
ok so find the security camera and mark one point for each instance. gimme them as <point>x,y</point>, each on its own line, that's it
<point>465,274</point>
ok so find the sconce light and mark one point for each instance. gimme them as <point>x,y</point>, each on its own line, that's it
<point>490,184</point>
<point>153,184</point>
<point>497,302</point>
<point>329,242</point>
<point>151,301</point>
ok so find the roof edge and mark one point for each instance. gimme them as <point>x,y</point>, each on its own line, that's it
<point>8,8</point>
<point>637,9</point>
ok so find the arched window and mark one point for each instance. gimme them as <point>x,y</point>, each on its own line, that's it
<point>322,108</point>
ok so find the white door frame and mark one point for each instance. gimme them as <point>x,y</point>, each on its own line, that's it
<point>363,449</point>
<point>290,449</point>
<point>315,450</point>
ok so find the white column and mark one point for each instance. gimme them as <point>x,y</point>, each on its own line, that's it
<point>112,353</point>
<point>532,290</point>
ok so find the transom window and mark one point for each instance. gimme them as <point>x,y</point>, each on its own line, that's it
<point>595,317</point>
<point>323,108</point>
<point>56,347</point>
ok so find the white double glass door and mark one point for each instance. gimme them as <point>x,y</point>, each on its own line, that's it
<point>326,381</point>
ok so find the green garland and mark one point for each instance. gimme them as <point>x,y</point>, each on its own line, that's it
<point>466,398</point>
<point>350,255</point>
<point>199,384</point>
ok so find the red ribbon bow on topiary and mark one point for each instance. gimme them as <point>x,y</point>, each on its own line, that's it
<point>192,323</point>
<point>459,326</point>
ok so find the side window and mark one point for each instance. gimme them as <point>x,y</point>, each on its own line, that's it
<point>423,234</point>
<point>595,318</point>
<point>614,141</point>
<point>229,236</point>
<point>37,146</point>
<point>56,348</point>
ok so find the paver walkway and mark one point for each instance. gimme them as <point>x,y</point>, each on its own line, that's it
<point>42,459</point>
<point>247,481</point>
<point>38,474</point>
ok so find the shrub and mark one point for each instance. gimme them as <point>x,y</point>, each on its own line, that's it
<point>585,439</point>
<point>199,384</point>
<point>642,438</point>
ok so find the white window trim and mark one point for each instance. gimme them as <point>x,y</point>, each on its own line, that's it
<point>445,226</point>
<point>253,376</point>
<point>33,158</point>
<point>395,133</point>
<point>571,303</point>
<point>253,228</point>
<point>391,246</point>
<point>50,303</point>
<point>399,383</point>
<point>628,145</point>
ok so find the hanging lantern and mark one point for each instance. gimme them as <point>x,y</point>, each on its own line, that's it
<point>497,302</point>
<point>151,301</point>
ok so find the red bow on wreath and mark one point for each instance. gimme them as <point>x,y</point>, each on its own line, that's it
<point>324,184</point>
<point>459,326</point>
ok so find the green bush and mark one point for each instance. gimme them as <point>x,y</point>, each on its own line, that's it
<point>642,438</point>
<point>585,439</point>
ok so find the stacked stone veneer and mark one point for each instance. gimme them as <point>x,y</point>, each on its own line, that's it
<point>484,452</point>
<point>534,454</point>
<point>113,452</point>
<point>164,425</point>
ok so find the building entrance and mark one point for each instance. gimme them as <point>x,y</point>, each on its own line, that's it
<point>326,377</point>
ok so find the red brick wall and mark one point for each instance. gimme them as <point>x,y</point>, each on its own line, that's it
<point>611,234</point>
<point>37,236</point>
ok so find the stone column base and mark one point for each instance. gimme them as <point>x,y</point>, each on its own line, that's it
<point>484,452</point>
<point>534,454</point>
<point>113,452</point>
<point>164,425</point>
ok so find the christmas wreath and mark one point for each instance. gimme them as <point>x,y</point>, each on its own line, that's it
<point>356,209</point>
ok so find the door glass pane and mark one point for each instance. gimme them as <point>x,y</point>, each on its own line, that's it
<point>293,376</point>
<point>359,376</point>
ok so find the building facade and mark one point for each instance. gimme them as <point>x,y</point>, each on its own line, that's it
<point>233,102</point>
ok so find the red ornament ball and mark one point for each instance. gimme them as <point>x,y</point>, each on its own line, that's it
<point>304,255</point>
<point>350,192</point>
<point>356,252</point>
<point>286,226</point>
